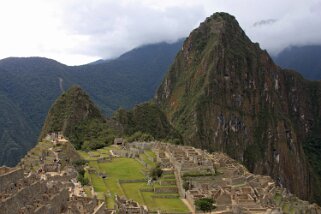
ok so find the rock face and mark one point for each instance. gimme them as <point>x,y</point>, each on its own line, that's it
<point>223,93</point>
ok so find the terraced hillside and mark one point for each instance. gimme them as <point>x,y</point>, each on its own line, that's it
<point>110,175</point>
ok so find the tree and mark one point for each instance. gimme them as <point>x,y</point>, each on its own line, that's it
<point>205,204</point>
<point>156,172</point>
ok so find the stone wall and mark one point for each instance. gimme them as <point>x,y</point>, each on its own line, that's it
<point>22,198</point>
<point>56,204</point>
<point>10,177</point>
<point>166,190</point>
<point>132,181</point>
<point>167,182</point>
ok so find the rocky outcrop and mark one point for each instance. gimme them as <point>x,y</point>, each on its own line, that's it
<point>223,93</point>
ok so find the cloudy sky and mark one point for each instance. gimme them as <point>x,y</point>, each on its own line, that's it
<point>80,31</point>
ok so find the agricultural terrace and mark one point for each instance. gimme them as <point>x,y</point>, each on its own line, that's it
<point>129,177</point>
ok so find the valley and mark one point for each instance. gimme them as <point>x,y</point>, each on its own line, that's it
<point>227,131</point>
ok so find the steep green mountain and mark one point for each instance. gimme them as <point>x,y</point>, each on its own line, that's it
<point>76,117</point>
<point>32,85</point>
<point>128,80</point>
<point>13,119</point>
<point>223,93</point>
<point>147,118</point>
<point>305,59</point>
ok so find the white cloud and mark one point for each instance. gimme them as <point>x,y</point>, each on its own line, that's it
<point>80,31</point>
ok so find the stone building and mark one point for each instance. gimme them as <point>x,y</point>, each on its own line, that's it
<point>122,205</point>
<point>31,193</point>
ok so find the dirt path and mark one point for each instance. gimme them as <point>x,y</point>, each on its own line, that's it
<point>188,205</point>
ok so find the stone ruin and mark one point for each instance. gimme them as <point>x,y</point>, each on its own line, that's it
<point>26,194</point>
<point>226,181</point>
<point>122,205</point>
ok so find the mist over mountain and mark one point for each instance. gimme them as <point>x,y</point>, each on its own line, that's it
<point>29,86</point>
<point>224,93</point>
<point>304,59</point>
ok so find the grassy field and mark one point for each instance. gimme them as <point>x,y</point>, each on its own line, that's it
<point>127,169</point>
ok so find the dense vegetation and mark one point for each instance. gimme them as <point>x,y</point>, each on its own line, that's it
<point>147,120</point>
<point>312,148</point>
<point>156,172</point>
<point>79,120</point>
<point>14,126</point>
<point>29,86</point>
<point>204,204</point>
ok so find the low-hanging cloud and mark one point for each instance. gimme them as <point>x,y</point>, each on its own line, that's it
<point>297,26</point>
<point>79,31</point>
<point>116,26</point>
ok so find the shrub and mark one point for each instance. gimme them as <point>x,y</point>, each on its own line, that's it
<point>205,204</point>
<point>139,136</point>
<point>79,162</point>
<point>156,172</point>
<point>81,177</point>
<point>84,181</point>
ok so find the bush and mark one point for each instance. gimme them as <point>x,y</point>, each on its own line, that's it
<point>186,185</point>
<point>79,162</point>
<point>175,141</point>
<point>93,144</point>
<point>139,136</point>
<point>205,204</point>
<point>156,172</point>
<point>81,177</point>
<point>84,181</point>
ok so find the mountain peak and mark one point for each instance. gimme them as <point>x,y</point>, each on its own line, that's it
<point>223,93</point>
<point>220,17</point>
<point>72,113</point>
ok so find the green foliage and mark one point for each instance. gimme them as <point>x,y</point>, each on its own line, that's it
<point>186,185</point>
<point>81,177</point>
<point>156,172</point>
<point>146,121</point>
<point>80,121</point>
<point>15,131</point>
<point>84,181</point>
<point>32,85</point>
<point>176,141</point>
<point>139,136</point>
<point>312,149</point>
<point>205,204</point>
<point>79,162</point>
<point>92,134</point>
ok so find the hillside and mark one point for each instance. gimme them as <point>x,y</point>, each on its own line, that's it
<point>12,119</point>
<point>148,119</point>
<point>32,84</point>
<point>304,59</point>
<point>76,117</point>
<point>223,93</point>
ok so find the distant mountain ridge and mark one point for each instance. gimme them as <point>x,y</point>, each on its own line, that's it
<point>31,85</point>
<point>304,59</point>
